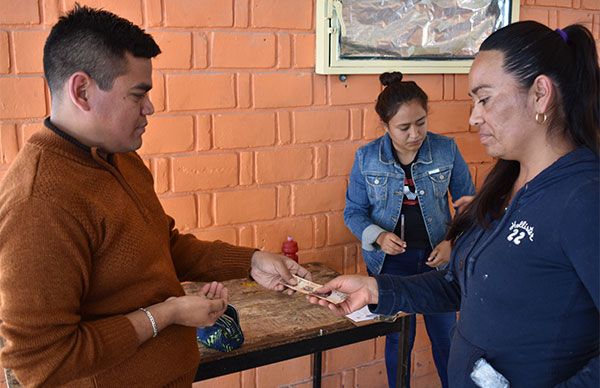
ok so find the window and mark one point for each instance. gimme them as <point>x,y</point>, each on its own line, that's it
<point>412,36</point>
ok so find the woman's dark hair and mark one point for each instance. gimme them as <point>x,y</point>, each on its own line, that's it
<point>396,93</point>
<point>95,42</point>
<point>570,59</point>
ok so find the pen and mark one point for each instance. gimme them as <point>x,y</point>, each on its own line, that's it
<point>402,227</point>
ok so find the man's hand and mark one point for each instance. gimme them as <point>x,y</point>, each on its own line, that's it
<point>200,310</point>
<point>272,270</point>
<point>361,290</point>
<point>390,243</point>
<point>440,254</point>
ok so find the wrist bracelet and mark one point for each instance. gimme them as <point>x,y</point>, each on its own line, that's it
<point>152,321</point>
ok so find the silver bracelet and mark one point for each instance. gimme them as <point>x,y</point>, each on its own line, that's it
<point>152,322</point>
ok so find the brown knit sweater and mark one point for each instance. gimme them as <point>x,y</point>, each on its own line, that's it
<point>83,242</point>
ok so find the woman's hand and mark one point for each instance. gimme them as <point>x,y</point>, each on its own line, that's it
<point>361,290</point>
<point>272,270</point>
<point>390,243</point>
<point>440,254</point>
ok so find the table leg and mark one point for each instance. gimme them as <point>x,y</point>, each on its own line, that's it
<point>403,367</point>
<point>317,361</point>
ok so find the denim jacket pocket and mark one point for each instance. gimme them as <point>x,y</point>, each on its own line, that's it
<point>440,179</point>
<point>376,186</point>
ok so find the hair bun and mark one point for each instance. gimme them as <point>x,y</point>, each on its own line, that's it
<point>390,78</point>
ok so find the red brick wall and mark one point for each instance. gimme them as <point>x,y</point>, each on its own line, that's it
<point>248,144</point>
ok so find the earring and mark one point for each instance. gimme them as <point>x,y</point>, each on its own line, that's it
<point>541,118</point>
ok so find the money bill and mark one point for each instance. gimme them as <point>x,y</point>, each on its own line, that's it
<point>307,287</point>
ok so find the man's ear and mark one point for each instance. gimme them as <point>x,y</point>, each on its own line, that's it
<point>543,91</point>
<point>79,85</point>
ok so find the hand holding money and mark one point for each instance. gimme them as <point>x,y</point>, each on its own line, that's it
<point>310,288</point>
<point>360,291</point>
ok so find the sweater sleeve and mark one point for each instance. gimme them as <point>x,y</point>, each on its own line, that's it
<point>197,260</point>
<point>427,293</point>
<point>46,261</point>
<point>582,246</point>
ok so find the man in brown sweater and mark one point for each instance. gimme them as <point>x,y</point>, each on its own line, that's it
<point>90,265</point>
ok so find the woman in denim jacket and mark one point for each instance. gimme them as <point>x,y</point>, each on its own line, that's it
<point>397,203</point>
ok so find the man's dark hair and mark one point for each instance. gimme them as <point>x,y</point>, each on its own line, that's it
<point>95,42</point>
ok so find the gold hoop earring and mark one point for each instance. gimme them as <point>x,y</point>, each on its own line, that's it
<point>541,118</point>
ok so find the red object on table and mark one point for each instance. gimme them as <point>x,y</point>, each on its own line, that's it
<point>290,248</point>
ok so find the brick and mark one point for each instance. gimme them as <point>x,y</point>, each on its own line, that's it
<point>284,164</point>
<point>244,98</point>
<point>205,210</point>
<point>554,3</point>
<point>9,143</point>
<point>27,12</point>
<point>200,51</point>
<point>568,17</point>
<point>432,84</point>
<point>534,13</point>
<point>176,50</point>
<point>372,376</point>
<point>204,172</point>
<point>341,158</point>
<point>182,209</point>
<point>285,372</point>
<point>130,10</point>
<point>470,148</point>
<point>319,89</point>
<point>320,227</point>
<point>200,91</point>
<point>282,90</point>
<point>153,13</point>
<point>246,236</point>
<point>448,86</point>
<point>168,134</point>
<point>157,94</point>
<point>270,235</point>
<point>448,117</point>
<point>242,50</point>
<point>361,268</point>
<point>284,127</point>
<point>284,51</point>
<point>199,13</point>
<point>204,139</point>
<point>349,356</point>
<point>4,53</point>
<point>304,51</point>
<point>373,127</point>
<point>245,206</point>
<point>319,126</point>
<point>350,259</point>
<point>428,381</point>
<point>348,378</point>
<point>244,130</point>
<point>51,11</point>
<point>228,235</point>
<point>337,232</point>
<point>246,168</point>
<point>288,14</point>
<point>240,13</point>
<point>160,172</point>
<point>284,199</point>
<point>331,381</point>
<point>356,124</point>
<point>22,98</point>
<point>423,363</point>
<point>249,378</point>
<point>318,197</point>
<point>320,162</point>
<point>229,381</point>
<point>590,4</point>
<point>26,130</point>
<point>332,257</point>
<point>357,89</point>
<point>461,87</point>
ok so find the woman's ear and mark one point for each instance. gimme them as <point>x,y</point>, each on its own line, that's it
<point>543,92</point>
<point>79,87</point>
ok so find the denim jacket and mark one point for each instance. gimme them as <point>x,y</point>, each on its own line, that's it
<point>375,191</point>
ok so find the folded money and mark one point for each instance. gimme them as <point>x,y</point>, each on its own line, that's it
<point>307,287</point>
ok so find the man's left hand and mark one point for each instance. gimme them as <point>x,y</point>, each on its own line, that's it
<point>272,270</point>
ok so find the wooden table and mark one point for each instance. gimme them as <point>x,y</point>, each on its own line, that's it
<point>279,327</point>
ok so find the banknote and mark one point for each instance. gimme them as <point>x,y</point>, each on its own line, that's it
<point>307,287</point>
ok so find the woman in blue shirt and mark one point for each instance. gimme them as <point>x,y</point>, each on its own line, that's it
<point>397,203</point>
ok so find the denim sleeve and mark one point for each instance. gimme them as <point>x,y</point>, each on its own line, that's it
<point>580,242</point>
<point>427,293</point>
<point>356,212</point>
<point>461,182</point>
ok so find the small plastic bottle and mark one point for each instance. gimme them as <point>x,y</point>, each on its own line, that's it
<point>290,248</point>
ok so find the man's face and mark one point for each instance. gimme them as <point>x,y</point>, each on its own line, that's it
<point>120,113</point>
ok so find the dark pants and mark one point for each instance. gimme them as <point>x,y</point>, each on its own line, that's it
<point>438,326</point>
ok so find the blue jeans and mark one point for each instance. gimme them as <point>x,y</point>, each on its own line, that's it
<point>438,326</point>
